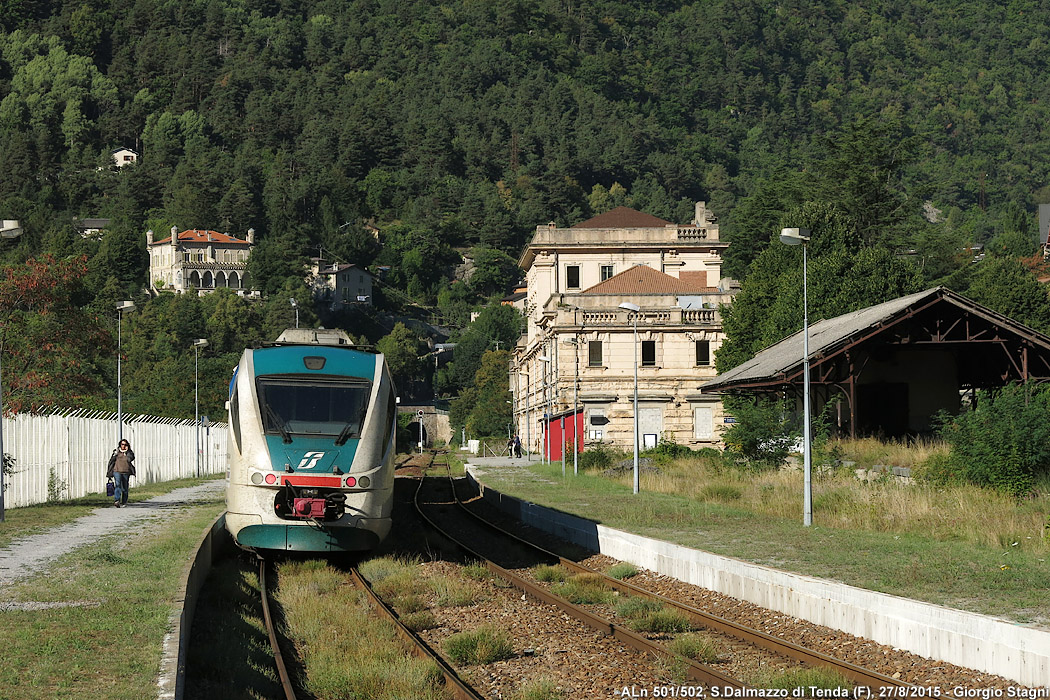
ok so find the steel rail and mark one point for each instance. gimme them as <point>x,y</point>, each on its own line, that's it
<point>858,674</point>
<point>694,670</point>
<point>460,689</point>
<point>278,657</point>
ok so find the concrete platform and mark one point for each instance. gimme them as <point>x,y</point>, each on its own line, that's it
<point>966,639</point>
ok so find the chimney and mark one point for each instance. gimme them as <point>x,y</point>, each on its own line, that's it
<point>149,237</point>
<point>251,236</point>
<point>174,236</point>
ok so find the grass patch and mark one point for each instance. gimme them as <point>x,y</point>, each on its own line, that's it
<point>584,589</point>
<point>947,546</point>
<point>393,578</point>
<point>633,608</point>
<point>697,647</point>
<point>420,620</point>
<point>347,652</point>
<point>115,617</point>
<point>542,689</point>
<point>453,592</point>
<point>482,646</point>
<point>477,572</point>
<point>622,570</point>
<point>661,622</point>
<point>721,493</point>
<point>803,679</point>
<point>550,574</point>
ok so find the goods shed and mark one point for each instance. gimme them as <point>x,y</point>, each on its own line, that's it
<point>888,369</point>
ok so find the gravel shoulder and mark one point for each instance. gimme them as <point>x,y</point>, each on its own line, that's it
<point>32,555</point>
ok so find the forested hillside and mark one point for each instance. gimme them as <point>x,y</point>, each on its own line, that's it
<point>465,124</point>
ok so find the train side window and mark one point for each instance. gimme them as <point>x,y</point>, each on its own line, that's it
<point>235,418</point>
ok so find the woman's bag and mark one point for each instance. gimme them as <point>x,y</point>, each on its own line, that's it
<point>110,488</point>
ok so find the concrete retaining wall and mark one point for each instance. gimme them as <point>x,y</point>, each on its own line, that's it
<point>171,681</point>
<point>966,639</point>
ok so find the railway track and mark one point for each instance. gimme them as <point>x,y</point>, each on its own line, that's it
<point>740,638</point>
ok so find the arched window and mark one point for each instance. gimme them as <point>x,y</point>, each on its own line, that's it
<point>209,281</point>
<point>195,279</point>
<point>234,281</point>
<point>220,279</point>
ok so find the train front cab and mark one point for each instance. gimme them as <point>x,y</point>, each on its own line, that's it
<point>311,460</point>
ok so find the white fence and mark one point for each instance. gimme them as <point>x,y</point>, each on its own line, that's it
<point>64,454</point>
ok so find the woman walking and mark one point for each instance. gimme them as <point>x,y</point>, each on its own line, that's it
<point>121,468</point>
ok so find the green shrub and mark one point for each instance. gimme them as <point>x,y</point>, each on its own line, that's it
<point>667,450</point>
<point>622,570</point>
<point>482,646</point>
<point>1004,443</point>
<point>764,432</point>
<point>598,458</point>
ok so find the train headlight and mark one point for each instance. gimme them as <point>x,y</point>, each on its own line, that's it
<point>257,478</point>
<point>271,479</point>
<point>351,482</point>
<point>364,482</point>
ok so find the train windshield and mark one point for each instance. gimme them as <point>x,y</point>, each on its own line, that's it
<point>313,406</point>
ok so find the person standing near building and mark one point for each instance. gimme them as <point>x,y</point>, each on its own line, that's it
<point>121,468</point>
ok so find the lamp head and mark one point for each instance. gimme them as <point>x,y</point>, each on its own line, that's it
<point>293,302</point>
<point>125,306</point>
<point>630,307</point>
<point>200,343</point>
<point>794,236</point>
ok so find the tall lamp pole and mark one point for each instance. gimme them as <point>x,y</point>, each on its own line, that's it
<point>197,345</point>
<point>295,305</point>
<point>546,457</point>
<point>634,309</point>
<point>10,229</point>
<point>122,306</point>
<point>575,343</point>
<point>800,236</point>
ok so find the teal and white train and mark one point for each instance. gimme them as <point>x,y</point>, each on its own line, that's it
<point>312,425</point>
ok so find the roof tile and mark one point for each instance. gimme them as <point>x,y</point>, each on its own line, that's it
<point>623,217</point>
<point>642,279</point>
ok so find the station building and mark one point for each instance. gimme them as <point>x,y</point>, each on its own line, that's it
<point>573,372</point>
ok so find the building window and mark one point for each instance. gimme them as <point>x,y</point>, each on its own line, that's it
<point>703,423</point>
<point>572,276</point>
<point>648,353</point>
<point>594,353</point>
<point>606,272</point>
<point>703,353</point>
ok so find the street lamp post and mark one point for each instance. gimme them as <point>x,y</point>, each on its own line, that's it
<point>122,306</point>
<point>10,229</point>
<point>197,345</point>
<point>634,309</point>
<point>295,305</point>
<point>575,343</point>
<point>546,457</point>
<point>800,236</point>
